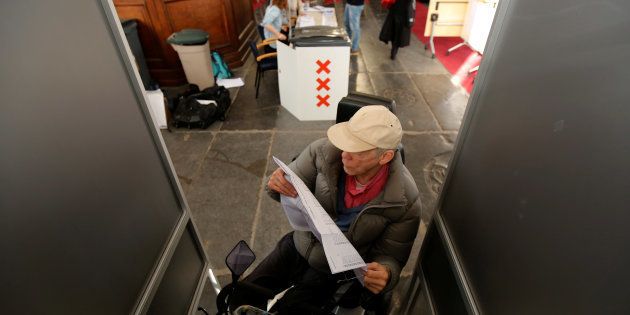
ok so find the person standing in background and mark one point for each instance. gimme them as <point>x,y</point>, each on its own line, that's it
<point>275,22</point>
<point>296,8</point>
<point>352,21</point>
<point>397,26</point>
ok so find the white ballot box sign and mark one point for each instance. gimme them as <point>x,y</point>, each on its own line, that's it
<point>313,80</point>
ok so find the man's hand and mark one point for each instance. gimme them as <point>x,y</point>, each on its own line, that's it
<point>281,36</point>
<point>376,277</point>
<point>278,183</point>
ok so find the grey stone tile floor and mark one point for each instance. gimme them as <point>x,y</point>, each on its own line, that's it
<point>222,169</point>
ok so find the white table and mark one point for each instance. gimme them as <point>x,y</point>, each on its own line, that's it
<point>317,16</point>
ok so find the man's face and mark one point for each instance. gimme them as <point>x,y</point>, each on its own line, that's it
<point>359,163</point>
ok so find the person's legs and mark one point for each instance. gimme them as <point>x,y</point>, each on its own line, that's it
<point>312,294</point>
<point>280,267</point>
<point>394,51</point>
<point>354,18</point>
<point>284,267</point>
<point>276,272</point>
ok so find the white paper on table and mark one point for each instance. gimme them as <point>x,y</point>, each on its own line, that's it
<point>324,9</point>
<point>230,83</point>
<point>340,254</point>
<point>329,19</point>
<point>306,20</point>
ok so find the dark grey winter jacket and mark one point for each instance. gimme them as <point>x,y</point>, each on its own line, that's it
<point>386,228</point>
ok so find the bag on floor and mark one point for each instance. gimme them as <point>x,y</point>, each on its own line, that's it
<point>200,110</point>
<point>176,95</point>
<point>219,67</point>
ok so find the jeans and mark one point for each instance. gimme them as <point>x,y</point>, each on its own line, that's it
<point>352,21</point>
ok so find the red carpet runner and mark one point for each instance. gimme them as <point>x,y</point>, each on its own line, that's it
<point>459,61</point>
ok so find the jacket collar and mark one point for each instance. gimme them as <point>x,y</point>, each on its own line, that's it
<point>394,190</point>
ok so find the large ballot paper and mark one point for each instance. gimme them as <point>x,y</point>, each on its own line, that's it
<point>306,214</point>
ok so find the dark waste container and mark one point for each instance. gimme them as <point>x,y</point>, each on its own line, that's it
<point>130,27</point>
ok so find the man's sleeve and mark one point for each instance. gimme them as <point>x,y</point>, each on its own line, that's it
<point>303,166</point>
<point>393,247</point>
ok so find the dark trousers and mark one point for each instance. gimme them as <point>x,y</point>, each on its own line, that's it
<point>313,290</point>
<point>283,267</point>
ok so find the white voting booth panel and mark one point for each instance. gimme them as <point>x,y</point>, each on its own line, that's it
<point>313,80</point>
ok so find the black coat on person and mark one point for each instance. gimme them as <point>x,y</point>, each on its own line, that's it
<point>397,28</point>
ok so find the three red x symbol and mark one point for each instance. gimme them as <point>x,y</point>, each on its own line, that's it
<point>323,100</point>
<point>323,66</point>
<point>323,84</point>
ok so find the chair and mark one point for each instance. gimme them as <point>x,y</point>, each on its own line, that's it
<point>264,62</point>
<point>261,33</point>
<point>352,102</point>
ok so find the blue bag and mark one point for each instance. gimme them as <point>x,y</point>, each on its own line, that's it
<point>219,67</point>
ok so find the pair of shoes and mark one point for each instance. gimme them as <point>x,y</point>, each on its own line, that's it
<point>355,52</point>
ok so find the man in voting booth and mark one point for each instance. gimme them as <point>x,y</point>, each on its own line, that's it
<point>359,178</point>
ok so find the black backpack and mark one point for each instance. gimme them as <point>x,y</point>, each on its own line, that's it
<point>175,95</point>
<point>201,109</point>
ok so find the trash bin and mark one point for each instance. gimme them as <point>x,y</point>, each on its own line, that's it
<point>194,53</point>
<point>131,33</point>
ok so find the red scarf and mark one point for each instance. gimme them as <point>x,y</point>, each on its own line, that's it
<point>356,197</point>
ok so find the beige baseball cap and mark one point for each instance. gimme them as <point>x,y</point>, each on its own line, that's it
<point>372,126</point>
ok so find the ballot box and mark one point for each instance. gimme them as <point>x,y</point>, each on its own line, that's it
<point>313,71</point>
